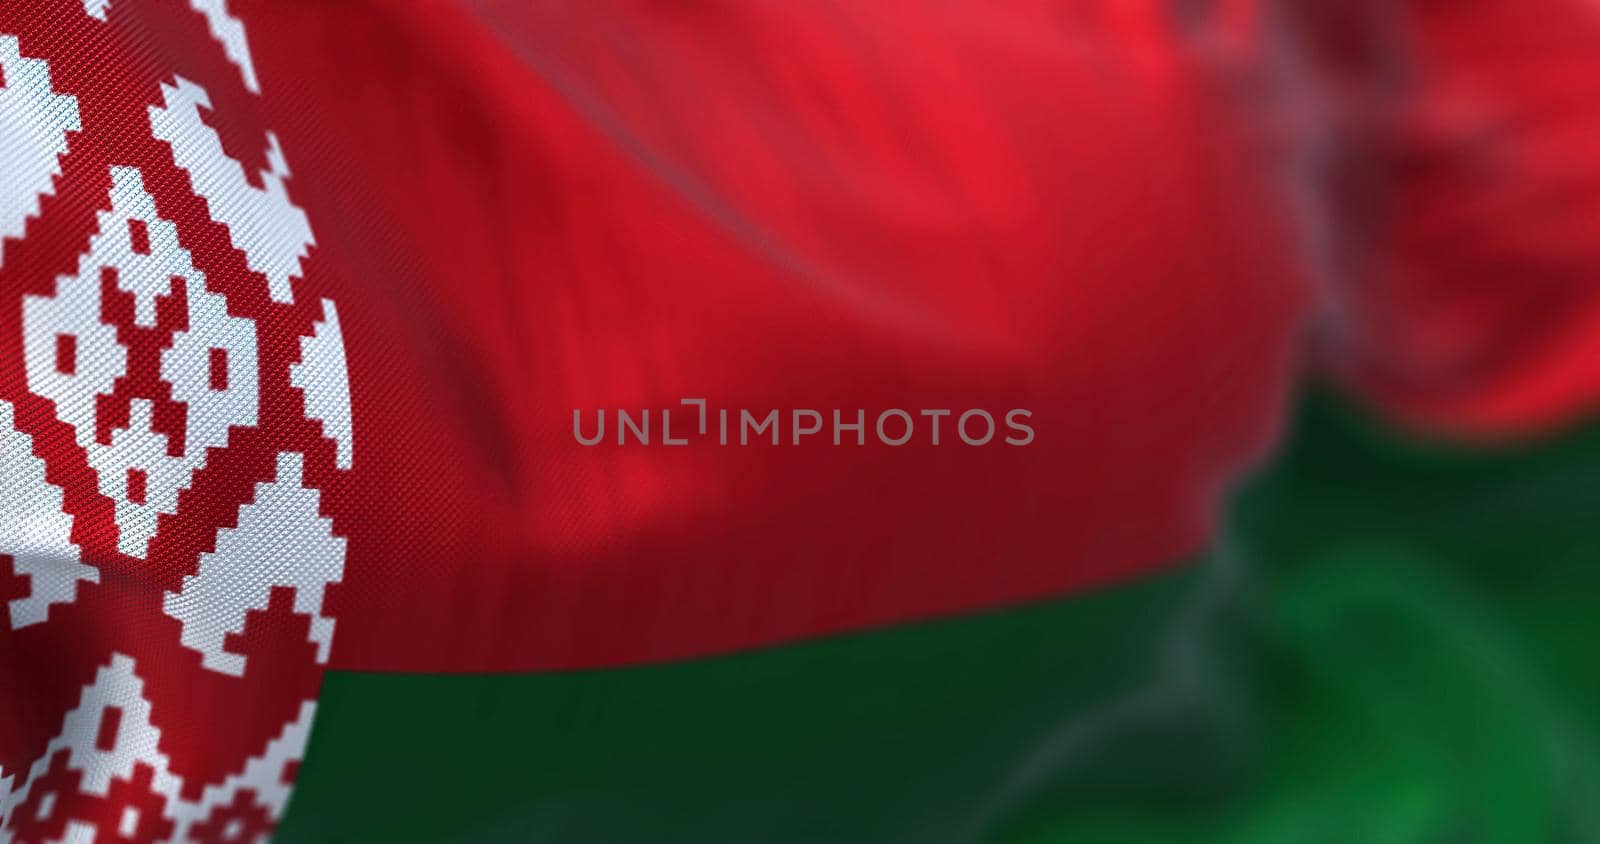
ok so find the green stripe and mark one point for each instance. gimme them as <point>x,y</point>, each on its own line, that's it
<point>1395,643</point>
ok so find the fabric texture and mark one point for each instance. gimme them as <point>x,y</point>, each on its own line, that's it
<point>1392,643</point>
<point>175,413</point>
<point>302,306</point>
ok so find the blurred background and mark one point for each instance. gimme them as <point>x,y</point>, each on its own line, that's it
<point>1391,636</point>
<point>1303,297</point>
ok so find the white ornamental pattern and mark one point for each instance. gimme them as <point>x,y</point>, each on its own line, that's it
<point>327,399</point>
<point>140,251</point>
<point>38,533</point>
<point>227,29</point>
<point>281,540</point>
<point>100,760</point>
<point>273,232</point>
<point>34,122</point>
<point>135,309</point>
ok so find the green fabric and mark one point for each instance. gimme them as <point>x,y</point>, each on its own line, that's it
<point>1393,643</point>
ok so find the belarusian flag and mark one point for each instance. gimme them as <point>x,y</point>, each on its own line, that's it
<point>626,421</point>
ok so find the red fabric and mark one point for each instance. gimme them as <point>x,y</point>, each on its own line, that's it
<point>522,213</point>
<point>210,723</point>
<point>541,208</point>
<point>1472,301</point>
<point>526,209</point>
